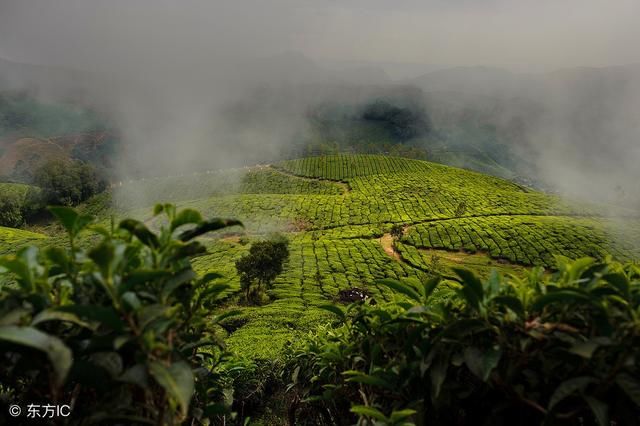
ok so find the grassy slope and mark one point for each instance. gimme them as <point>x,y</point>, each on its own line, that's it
<point>338,208</point>
<point>12,239</point>
<point>335,211</point>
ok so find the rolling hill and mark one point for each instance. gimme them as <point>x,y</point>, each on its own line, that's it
<point>337,212</point>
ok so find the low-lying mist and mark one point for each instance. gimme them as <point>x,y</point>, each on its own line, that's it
<point>199,86</point>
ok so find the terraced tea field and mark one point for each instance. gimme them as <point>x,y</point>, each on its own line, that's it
<point>12,239</point>
<point>338,211</point>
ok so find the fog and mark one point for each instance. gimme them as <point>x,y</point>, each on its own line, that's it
<point>171,74</point>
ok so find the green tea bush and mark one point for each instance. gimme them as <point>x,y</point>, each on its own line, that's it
<point>11,211</point>
<point>561,349</point>
<point>123,331</point>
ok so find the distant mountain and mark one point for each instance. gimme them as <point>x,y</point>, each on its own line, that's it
<point>500,82</point>
<point>572,126</point>
<point>474,80</point>
<point>556,129</point>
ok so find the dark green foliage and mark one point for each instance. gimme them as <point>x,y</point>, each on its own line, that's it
<point>11,210</point>
<point>67,183</point>
<point>124,331</point>
<point>402,122</point>
<point>396,231</point>
<point>561,349</point>
<point>15,202</point>
<point>261,266</point>
<point>398,125</point>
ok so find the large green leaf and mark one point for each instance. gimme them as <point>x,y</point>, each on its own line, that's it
<point>587,348</point>
<point>510,302</point>
<point>175,281</point>
<point>18,267</point>
<point>600,410</point>
<point>471,287</point>
<point>111,362</point>
<point>438,375</point>
<point>136,375</point>
<point>59,354</point>
<point>402,288</point>
<point>564,296</point>
<point>177,381</point>
<point>578,267</point>
<point>429,286</point>
<point>367,379</point>
<point>620,282</point>
<point>364,411</point>
<point>481,362</point>
<point>142,276</point>
<point>103,255</point>
<point>101,314</point>
<point>568,388</point>
<point>56,315</point>
<point>334,309</point>
<point>630,385</point>
<point>186,217</point>
<point>208,226</point>
<point>399,415</point>
<point>72,221</point>
<point>141,232</point>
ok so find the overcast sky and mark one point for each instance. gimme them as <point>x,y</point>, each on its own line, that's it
<point>112,33</point>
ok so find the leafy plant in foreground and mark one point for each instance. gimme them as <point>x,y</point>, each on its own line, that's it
<point>561,349</point>
<point>121,331</point>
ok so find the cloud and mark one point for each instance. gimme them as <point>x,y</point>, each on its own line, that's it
<point>168,70</point>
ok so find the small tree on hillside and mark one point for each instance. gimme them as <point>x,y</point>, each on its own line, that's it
<point>261,266</point>
<point>396,231</point>
<point>461,209</point>
<point>11,211</point>
<point>67,182</point>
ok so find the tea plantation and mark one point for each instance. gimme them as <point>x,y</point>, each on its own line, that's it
<point>12,239</point>
<point>337,212</point>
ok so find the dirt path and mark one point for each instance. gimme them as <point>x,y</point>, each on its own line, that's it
<point>386,241</point>
<point>346,189</point>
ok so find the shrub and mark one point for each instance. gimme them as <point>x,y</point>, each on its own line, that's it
<point>122,331</point>
<point>67,183</point>
<point>397,231</point>
<point>563,349</point>
<point>261,266</point>
<point>461,209</point>
<point>11,210</point>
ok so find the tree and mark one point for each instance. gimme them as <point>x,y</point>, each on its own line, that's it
<point>67,183</point>
<point>402,122</point>
<point>11,211</point>
<point>396,231</point>
<point>261,266</point>
<point>461,209</point>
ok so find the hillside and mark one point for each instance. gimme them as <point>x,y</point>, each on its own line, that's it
<point>12,239</point>
<point>338,211</point>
